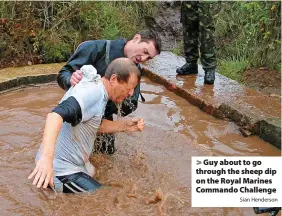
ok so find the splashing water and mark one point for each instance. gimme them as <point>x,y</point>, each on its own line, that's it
<point>105,143</point>
<point>119,106</point>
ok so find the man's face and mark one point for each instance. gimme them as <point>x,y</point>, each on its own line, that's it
<point>140,51</point>
<point>122,90</point>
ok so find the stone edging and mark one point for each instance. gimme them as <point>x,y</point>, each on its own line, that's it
<point>19,81</point>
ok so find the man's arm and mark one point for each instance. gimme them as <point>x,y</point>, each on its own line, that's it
<point>87,53</point>
<point>132,125</point>
<point>43,172</point>
<point>69,111</point>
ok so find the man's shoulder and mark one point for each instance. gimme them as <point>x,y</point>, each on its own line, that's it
<point>92,97</point>
<point>94,41</point>
<point>90,44</point>
<point>85,89</point>
<point>120,41</point>
<point>89,86</point>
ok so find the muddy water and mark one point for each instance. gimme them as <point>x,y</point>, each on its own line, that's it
<point>149,174</point>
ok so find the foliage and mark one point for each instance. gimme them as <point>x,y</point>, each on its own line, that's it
<point>51,30</point>
<point>250,31</point>
<point>177,50</point>
<point>48,31</point>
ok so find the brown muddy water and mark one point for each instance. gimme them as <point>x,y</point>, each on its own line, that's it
<point>149,174</point>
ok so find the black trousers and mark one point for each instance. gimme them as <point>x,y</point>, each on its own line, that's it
<point>78,182</point>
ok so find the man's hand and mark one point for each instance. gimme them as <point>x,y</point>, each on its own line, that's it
<point>76,77</point>
<point>135,124</point>
<point>128,125</point>
<point>43,173</point>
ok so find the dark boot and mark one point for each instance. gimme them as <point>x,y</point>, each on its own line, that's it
<point>188,68</point>
<point>209,76</point>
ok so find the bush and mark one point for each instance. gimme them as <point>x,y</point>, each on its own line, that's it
<point>55,29</point>
<point>57,52</point>
<point>249,30</point>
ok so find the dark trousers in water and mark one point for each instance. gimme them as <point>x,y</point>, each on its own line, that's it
<point>78,182</point>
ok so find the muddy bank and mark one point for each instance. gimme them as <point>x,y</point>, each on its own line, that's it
<point>264,80</point>
<point>23,76</point>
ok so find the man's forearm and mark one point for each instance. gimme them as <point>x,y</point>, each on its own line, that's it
<point>52,129</point>
<point>108,126</point>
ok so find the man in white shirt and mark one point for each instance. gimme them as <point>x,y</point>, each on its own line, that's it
<point>62,161</point>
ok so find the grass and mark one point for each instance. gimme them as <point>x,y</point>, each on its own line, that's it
<point>233,68</point>
<point>177,50</point>
<point>247,35</point>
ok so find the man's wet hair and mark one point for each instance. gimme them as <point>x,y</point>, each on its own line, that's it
<point>122,68</point>
<point>148,35</point>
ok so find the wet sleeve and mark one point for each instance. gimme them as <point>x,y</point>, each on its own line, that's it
<point>70,111</point>
<point>89,96</point>
<point>87,53</point>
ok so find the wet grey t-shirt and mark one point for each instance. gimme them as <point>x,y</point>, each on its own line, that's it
<point>75,144</point>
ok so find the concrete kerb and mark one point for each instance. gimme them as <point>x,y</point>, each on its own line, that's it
<point>270,131</point>
<point>27,80</point>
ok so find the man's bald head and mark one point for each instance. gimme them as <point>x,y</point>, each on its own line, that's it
<point>122,68</point>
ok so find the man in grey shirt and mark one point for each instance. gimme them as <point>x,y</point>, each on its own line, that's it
<point>62,161</point>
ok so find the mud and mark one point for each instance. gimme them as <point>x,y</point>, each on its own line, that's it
<point>166,23</point>
<point>264,80</point>
<point>149,174</point>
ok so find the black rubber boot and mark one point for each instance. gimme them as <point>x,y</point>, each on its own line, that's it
<point>188,68</point>
<point>209,77</point>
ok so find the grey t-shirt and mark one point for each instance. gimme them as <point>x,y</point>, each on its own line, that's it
<point>75,144</point>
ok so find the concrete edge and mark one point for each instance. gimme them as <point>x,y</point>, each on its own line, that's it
<point>267,129</point>
<point>270,131</point>
<point>26,80</point>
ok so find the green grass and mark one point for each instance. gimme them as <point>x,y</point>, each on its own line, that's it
<point>250,31</point>
<point>177,50</point>
<point>278,68</point>
<point>233,69</point>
